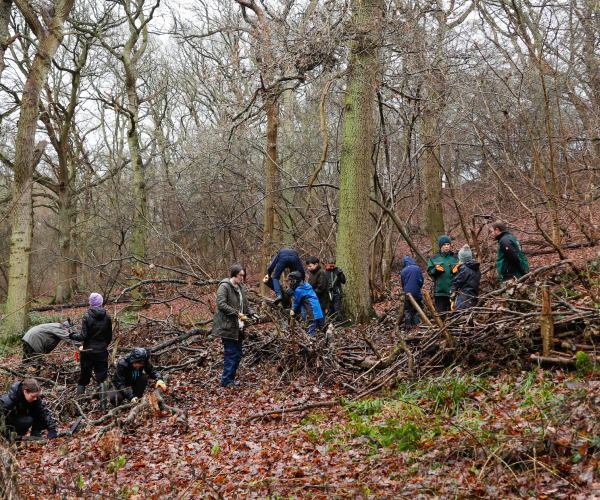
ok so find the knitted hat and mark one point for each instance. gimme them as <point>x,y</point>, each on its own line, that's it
<point>465,254</point>
<point>96,300</point>
<point>443,239</point>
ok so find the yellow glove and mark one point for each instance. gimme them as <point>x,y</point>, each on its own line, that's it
<point>266,278</point>
<point>439,268</point>
<point>134,400</point>
<point>455,269</point>
<point>292,313</point>
<point>161,384</point>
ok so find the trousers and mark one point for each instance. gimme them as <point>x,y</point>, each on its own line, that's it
<point>96,361</point>
<point>231,361</point>
<point>138,386</point>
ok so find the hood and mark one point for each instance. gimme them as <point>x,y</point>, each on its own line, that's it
<point>407,261</point>
<point>97,312</point>
<point>304,286</point>
<point>316,269</point>
<point>472,264</point>
<point>138,355</point>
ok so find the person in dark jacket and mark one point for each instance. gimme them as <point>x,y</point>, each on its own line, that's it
<point>128,382</point>
<point>286,258</point>
<point>231,315</point>
<point>465,287</point>
<point>306,301</point>
<point>336,280</point>
<point>96,335</point>
<point>317,278</point>
<point>442,267</point>
<point>23,409</point>
<point>43,339</point>
<point>412,282</point>
<point>511,261</point>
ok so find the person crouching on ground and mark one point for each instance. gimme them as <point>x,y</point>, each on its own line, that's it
<point>306,300</point>
<point>465,287</point>
<point>412,282</point>
<point>231,315</point>
<point>23,409</point>
<point>128,382</point>
<point>96,335</point>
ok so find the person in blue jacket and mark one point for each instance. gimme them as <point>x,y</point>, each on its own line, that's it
<point>412,282</point>
<point>306,299</point>
<point>286,258</point>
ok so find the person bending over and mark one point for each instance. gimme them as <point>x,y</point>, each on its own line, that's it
<point>23,409</point>
<point>131,377</point>
<point>43,339</point>
<point>306,300</point>
<point>286,258</point>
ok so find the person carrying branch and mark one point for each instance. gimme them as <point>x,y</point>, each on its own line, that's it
<point>286,258</point>
<point>510,261</point>
<point>131,377</point>
<point>306,301</point>
<point>442,267</point>
<point>318,279</point>
<point>43,339</point>
<point>465,287</point>
<point>23,409</point>
<point>412,282</point>
<point>336,280</point>
<point>231,315</point>
<point>96,335</point>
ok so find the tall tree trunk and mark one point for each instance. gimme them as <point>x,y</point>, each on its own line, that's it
<point>432,180</point>
<point>26,159</point>
<point>66,213</point>
<point>5,9</point>
<point>271,233</point>
<point>354,229</point>
<point>287,223</point>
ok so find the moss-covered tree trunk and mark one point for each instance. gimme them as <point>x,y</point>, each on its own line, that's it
<point>5,8</point>
<point>432,179</point>
<point>26,157</point>
<point>354,230</point>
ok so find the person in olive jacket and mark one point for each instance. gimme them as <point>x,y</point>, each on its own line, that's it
<point>128,382</point>
<point>96,335</point>
<point>231,315</point>
<point>465,287</point>
<point>318,279</point>
<point>22,409</point>
<point>442,267</point>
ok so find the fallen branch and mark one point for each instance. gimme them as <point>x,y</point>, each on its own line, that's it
<point>293,409</point>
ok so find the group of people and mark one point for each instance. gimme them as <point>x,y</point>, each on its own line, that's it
<point>456,288</point>
<point>457,276</point>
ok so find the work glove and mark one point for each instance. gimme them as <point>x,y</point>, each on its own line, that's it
<point>292,313</point>
<point>71,334</point>
<point>52,435</point>
<point>161,384</point>
<point>266,278</point>
<point>243,317</point>
<point>439,268</point>
<point>134,400</point>
<point>455,269</point>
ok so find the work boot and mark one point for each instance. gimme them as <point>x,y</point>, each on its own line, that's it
<point>103,395</point>
<point>277,300</point>
<point>80,390</point>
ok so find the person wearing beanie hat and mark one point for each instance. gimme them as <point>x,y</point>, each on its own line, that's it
<point>465,287</point>
<point>442,267</point>
<point>465,254</point>
<point>96,335</point>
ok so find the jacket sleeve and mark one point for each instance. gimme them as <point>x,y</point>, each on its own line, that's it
<point>321,283</point>
<point>120,381</point>
<point>460,279</point>
<point>81,337</point>
<point>151,371</point>
<point>109,333</point>
<point>6,404</point>
<point>342,278</point>
<point>272,265</point>
<point>403,279</point>
<point>421,279</point>
<point>247,309</point>
<point>297,299</point>
<point>431,270</point>
<point>222,303</point>
<point>44,414</point>
<point>510,251</point>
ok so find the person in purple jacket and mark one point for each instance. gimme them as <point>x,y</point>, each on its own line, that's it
<point>412,282</point>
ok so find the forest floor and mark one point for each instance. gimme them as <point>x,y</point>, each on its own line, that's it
<point>457,430</point>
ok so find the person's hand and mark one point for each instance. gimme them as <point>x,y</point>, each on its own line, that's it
<point>439,268</point>
<point>52,435</point>
<point>71,334</point>
<point>243,317</point>
<point>134,400</point>
<point>266,278</point>
<point>292,313</point>
<point>161,384</point>
<point>455,269</point>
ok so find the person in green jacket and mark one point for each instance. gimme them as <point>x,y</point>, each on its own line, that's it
<point>511,261</point>
<point>442,267</point>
